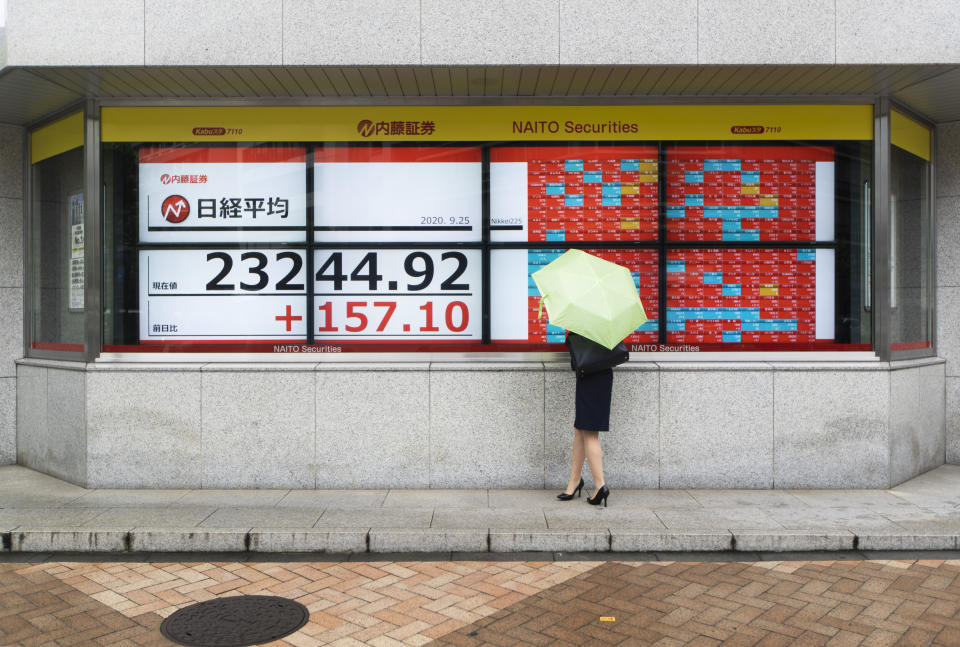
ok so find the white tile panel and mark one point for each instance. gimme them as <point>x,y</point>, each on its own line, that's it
<point>212,32</point>
<point>626,32</point>
<point>751,32</point>
<point>75,32</point>
<point>481,32</point>
<point>351,32</point>
<point>891,31</point>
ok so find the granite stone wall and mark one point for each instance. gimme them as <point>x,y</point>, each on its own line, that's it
<point>948,275</point>
<point>478,32</point>
<point>479,425</point>
<point>11,284</point>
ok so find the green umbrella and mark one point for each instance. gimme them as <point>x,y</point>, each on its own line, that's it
<point>590,296</point>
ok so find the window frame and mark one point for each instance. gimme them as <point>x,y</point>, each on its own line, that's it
<point>883,321</point>
<point>878,224</point>
<point>92,252</point>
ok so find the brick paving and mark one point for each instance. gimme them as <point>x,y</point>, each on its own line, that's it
<point>391,604</point>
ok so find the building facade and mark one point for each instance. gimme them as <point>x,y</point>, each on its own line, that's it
<point>289,244</point>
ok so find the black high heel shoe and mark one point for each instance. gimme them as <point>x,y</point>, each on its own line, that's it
<point>602,495</point>
<point>563,496</point>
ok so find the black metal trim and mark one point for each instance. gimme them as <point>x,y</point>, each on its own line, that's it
<point>485,245</point>
<point>310,242</point>
<point>485,324</point>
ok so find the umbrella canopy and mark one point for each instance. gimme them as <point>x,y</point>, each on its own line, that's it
<point>590,296</point>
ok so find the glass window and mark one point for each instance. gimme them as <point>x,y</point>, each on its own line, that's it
<point>408,246</point>
<point>732,246</point>
<point>56,259</point>
<point>911,279</point>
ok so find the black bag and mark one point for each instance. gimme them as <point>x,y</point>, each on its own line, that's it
<point>587,356</point>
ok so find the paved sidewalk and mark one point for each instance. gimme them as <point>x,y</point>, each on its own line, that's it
<point>41,514</point>
<point>872,603</point>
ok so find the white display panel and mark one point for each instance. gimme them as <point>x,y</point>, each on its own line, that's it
<point>509,295</point>
<point>222,195</point>
<point>508,202</point>
<point>397,194</point>
<point>826,294</point>
<point>217,294</point>
<point>379,294</point>
<point>826,196</point>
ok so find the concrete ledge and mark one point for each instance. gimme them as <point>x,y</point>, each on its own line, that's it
<point>801,366</point>
<point>899,365</point>
<point>426,540</point>
<point>53,363</point>
<point>563,366</point>
<point>571,541</point>
<point>187,540</point>
<point>262,367</point>
<point>906,541</point>
<point>326,540</point>
<point>638,542</point>
<point>774,541</point>
<point>487,365</point>
<point>672,367</point>
<point>476,542</point>
<point>86,540</point>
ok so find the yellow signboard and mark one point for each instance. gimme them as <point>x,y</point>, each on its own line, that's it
<point>488,123</point>
<point>59,137</point>
<point>910,135</point>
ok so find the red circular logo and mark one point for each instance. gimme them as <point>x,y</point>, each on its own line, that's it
<point>175,209</point>
<point>365,128</point>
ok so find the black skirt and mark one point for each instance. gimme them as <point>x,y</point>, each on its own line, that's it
<point>593,401</point>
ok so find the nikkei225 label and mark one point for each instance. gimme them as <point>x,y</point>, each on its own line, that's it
<point>381,294</point>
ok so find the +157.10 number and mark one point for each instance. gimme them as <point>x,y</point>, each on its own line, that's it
<point>418,266</point>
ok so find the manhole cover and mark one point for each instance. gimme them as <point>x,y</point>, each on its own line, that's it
<point>235,621</point>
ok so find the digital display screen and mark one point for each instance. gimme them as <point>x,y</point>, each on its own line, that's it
<point>738,296</point>
<point>397,194</point>
<point>222,294</point>
<point>573,193</point>
<point>428,294</point>
<point>516,300</point>
<point>396,251</point>
<point>211,194</point>
<point>750,193</point>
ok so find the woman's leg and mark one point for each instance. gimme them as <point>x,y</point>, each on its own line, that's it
<point>594,454</point>
<point>576,465</point>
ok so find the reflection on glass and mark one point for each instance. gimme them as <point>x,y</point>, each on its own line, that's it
<point>750,193</point>
<point>57,264</point>
<point>749,296</point>
<point>389,247</point>
<point>911,305</point>
<point>515,300</point>
<point>574,193</point>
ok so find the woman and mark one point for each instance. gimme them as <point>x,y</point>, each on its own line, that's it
<point>593,416</point>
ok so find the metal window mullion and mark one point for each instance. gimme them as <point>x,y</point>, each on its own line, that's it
<point>485,290</point>
<point>310,240</point>
<point>92,234</point>
<point>931,259</point>
<point>881,231</point>
<point>30,278</point>
<point>662,243</point>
